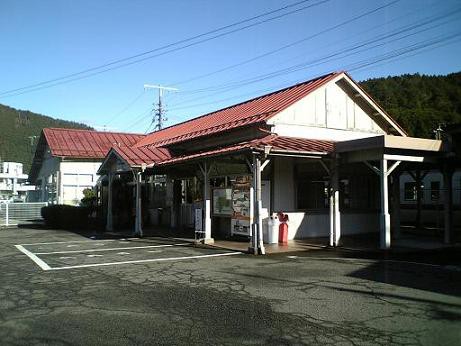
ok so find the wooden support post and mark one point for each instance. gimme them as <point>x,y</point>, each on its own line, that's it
<point>109,221</point>
<point>206,203</point>
<point>176,207</point>
<point>138,217</point>
<point>335,214</point>
<point>448,204</point>
<point>419,195</point>
<point>385,231</point>
<point>395,215</point>
<point>258,205</point>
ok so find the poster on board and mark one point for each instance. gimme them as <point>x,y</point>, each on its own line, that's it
<point>240,221</point>
<point>222,202</point>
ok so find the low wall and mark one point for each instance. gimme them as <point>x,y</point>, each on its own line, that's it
<point>429,217</point>
<point>310,225</point>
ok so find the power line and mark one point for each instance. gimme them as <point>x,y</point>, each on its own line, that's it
<point>139,118</point>
<point>414,48</point>
<point>290,44</point>
<point>124,109</point>
<point>330,57</point>
<point>410,27</point>
<point>69,78</point>
<point>159,112</point>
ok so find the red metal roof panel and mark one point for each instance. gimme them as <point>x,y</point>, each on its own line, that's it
<point>86,143</point>
<point>277,143</point>
<point>249,112</point>
<point>146,155</point>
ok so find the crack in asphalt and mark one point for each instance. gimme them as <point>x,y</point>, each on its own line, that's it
<point>223,301</point>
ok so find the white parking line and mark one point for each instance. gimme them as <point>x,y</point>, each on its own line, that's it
<point>67,242</point>
<point>80,241</point>
<point>111,249</point>
<point>144,261</point>
<point>34,258</point>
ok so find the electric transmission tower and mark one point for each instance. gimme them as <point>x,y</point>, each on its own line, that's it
<point>159,110</point>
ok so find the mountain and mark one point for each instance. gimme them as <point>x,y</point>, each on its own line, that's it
<point>17,131</point>
<point>419,103</point>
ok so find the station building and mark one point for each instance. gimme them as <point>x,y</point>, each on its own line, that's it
<point>66,162</point>
<point>322,151</point>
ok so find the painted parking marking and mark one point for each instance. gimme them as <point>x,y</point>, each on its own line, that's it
<point>65,242</point>
<point>111,249</point>
<point>146,261</point>
<point>42,264</point>
<point>96,257</point>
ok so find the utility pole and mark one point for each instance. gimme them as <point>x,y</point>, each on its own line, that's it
<point>159,111</point>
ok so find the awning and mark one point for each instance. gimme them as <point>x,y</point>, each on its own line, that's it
<point>270,144</point>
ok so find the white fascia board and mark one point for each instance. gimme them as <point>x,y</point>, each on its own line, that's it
<point>372,103</point>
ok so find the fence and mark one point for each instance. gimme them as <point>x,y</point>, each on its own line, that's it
<point>19,213</point>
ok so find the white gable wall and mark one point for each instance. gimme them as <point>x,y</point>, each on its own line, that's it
<point>75,176</point>
<point>63,181</point>
<point>327,113</point>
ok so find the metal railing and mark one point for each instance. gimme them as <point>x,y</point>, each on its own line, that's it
<point>19,213</point>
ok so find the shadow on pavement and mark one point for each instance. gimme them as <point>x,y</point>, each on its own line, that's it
<point>414,275</point>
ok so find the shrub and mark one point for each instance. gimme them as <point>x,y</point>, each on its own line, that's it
<point>89,198</point>
<point>66,216</point>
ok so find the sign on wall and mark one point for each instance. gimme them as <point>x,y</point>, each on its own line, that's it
<point>222,202</point>
<point>240,221</point>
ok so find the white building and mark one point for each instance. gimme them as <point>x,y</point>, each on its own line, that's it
<point>66,162</point>
<point>13,182</point>
<point>322,151</point>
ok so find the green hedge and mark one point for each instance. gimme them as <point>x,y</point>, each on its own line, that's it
<point>66,216</point>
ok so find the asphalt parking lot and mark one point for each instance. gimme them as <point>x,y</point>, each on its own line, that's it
<point>74,254</point>
<point>59,288</point>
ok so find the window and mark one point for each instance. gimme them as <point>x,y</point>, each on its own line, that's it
<point>435,190</point>
<point>344,193</point>
<point>312,194</point>
<point>410,191</point>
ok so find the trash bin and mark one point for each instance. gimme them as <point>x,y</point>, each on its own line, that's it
<point>273,229</point>
<point>283,228</point>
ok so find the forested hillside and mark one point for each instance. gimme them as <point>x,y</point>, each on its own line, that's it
<point>17,131</point>
<point>419,103</point>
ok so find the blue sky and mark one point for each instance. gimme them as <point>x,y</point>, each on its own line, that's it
<point>43,40</point>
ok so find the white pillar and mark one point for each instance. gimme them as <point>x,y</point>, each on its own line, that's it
<point>15,188</point>
<point>395,219</point>
<point>448,205</point>
<point>60,187</point>
<point>7,216</point>
<point>207,204</point>
<point>335,214</point>
<point>385,228</point>
<point>138,217</point>
<point>257,224</point>
<point>109,221</point>
<point>332,215</point>
<point>253,246</point>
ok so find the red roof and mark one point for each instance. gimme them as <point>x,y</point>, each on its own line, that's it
<point>278,144</point>
<point>250,112</point>
<point>86,143</point>
<point>145,155</point>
